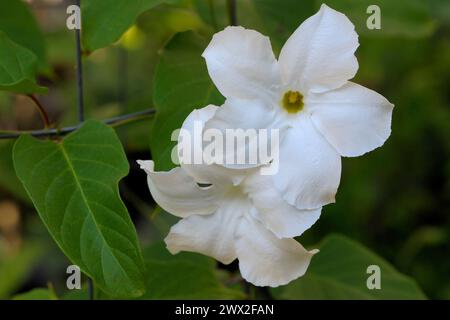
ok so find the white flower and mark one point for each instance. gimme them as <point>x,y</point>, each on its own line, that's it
<point>306,90</point>
<point>322,116</point>
<point>235,216</point>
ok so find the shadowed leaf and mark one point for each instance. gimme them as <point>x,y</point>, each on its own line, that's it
<point>74,186</point>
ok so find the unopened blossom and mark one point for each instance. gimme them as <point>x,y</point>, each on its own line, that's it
<point>307,90</point>
<point>232,217</point>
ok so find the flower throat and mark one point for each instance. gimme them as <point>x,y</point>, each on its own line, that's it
<point>292,101</point>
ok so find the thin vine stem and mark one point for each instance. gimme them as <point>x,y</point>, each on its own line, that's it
<point>232,12</point>
<point>41,109</point>
<point>80,93</point>
<point>91,289</point>
<point>80,105</point>
<point>114,122</point>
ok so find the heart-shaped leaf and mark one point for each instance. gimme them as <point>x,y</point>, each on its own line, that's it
<point>74,186</point>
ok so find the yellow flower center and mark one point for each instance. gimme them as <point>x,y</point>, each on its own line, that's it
<point>292,101</point>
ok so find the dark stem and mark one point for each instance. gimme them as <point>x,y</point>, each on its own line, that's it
<point>256,293</point>
<point>80,105</point>
<point>246,286</point>
<point>232,13</point>
<point>116,121</point>
<point>91,289</point>
<point>80,94</point>
<point>41,110</point>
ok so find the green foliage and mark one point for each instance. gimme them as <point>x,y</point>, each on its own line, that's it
<point>338,271</point>
<point>8,178</point>
<point>104,23</point>
<point>408,18</point>
<point>19,24</point>
<point>183,276</point>
<point>278,19</point>
<point>36,294</point>
<point>18,67</point>
<point>74,186</point>
<point>394,205</point>
<point>15,267</point>
<point>82,294</point>
<point>164,21</point>
<point>440,10</point>
<point>181,85</point>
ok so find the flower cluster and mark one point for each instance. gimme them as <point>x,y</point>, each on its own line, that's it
<point>231,212</point>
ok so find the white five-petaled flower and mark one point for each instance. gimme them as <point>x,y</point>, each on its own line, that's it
<point>236,216</point>
<point>306,91</point>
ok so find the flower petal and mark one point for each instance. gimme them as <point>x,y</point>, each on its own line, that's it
<point>244,114</point>
<point>353,119</point>
<point>319,55</point>
<point>212,235</point>
<point>193,162</point>
<point>192,129</point>
<point>309,169</point>
<point>265,260</point>
<point>246,119</point>
<point>177,193</point>
<point>241,63</point>
<point>283,219</point>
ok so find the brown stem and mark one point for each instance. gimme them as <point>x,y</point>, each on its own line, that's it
<point>41,110</point>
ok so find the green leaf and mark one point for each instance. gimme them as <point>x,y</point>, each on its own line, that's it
<point>164,21</point>
<point>19,24</point>
<point>183,276</point>
<point>36,294</point>
<point>408,18</point>
<point>279,19</point>
<point>441,10</point>
<point>274,18</point>
<point>74,186</point>
<point>104,22</point>
<point>81,294</point>
<point>181,85</point>
<point>339,271</point>
<point>18,67</point>
<point>14,268</point>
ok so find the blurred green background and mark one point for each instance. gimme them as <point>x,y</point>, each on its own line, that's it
<point>394,200</point>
